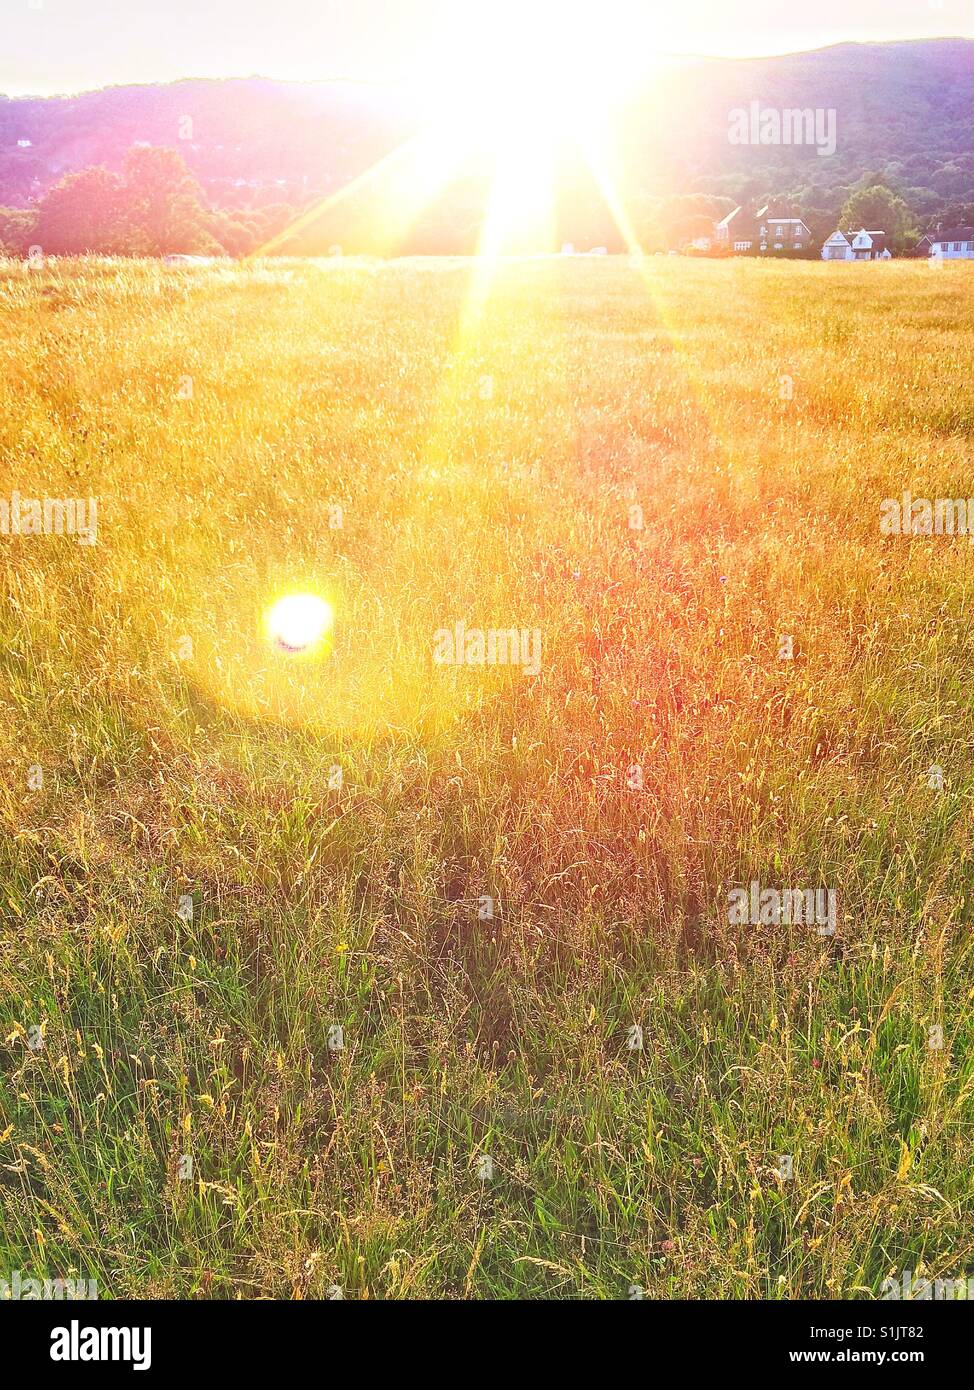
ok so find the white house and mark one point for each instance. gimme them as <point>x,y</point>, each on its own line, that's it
<point>856,246</point>
<point>954,244</point>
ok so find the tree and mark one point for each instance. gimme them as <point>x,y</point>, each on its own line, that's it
<point>83,214</point>
<point>957,215</point>
<point>878,209</point>
<point>683,217</point>
<point>165,203</point>
<point>154,208</point>
<point>235,235</point>
<point>18,230</point>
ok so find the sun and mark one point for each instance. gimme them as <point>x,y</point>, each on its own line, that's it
<point>530,86</point>
<point>299,623</point>
<point>523,98</point>
<point>550,60</point>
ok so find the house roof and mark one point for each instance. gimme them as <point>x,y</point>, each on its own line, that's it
<point>745,218</point>
<point>785,226</point>
<point>878,239</point>
<point>954,234</point>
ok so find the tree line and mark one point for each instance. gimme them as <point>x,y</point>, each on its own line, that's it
<point>153,207</point>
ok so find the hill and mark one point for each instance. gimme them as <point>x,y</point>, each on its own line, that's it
<point>903,112</point>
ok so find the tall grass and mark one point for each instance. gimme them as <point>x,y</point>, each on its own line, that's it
<point>341,826</point>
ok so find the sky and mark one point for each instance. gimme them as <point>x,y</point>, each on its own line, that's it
<point>52,46</point>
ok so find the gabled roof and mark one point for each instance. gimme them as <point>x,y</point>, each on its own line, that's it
<point>785,226</point>
<point>738,225</point>
<point>954,234</point>
<point>840,234</point>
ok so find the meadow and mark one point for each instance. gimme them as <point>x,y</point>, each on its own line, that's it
<point>367,972</point>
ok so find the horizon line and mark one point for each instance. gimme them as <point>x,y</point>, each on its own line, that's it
<point>403,83</point>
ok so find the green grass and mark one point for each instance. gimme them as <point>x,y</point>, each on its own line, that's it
<point>486,469</point>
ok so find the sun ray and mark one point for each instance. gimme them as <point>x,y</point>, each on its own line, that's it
<point>403,183</point>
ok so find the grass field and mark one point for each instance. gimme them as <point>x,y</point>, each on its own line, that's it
<point>261,1035</point>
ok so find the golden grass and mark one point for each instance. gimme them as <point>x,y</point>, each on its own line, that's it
<point>486,469</point>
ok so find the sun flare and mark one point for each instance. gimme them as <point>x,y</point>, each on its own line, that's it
<point>510,98</point>
<point>299,623</point>
<point>537,87</point>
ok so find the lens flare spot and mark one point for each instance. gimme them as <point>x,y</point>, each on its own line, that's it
<point>299,622</point>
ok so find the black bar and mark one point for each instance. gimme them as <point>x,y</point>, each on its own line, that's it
<point>258,1338</point>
